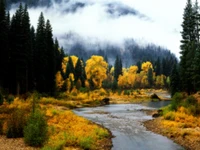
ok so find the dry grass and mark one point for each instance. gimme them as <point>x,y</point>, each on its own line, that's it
<point>66,130</point>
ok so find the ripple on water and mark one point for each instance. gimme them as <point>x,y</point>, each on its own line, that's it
<point>125,122</point>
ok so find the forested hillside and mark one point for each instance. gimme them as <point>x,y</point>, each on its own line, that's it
<point>131,52</point>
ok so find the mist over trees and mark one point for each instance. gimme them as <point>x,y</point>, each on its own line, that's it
<point>130,53</point>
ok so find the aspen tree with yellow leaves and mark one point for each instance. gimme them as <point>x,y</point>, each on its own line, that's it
<point>96,68</point>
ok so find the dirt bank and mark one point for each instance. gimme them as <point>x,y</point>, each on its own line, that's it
<point>189,142</point>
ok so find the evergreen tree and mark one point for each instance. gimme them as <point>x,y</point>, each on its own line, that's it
<point>174,80</point>
<point>51,59</point>
<point>158,67</point>
<point>150,77</point>
<point>4,44</point>
<point>70,67</point>
<point>196,60</point>
<point>78,70</point>
<point>118,68</point>
<point>31,75</point>
<point>26,39</point>
<point>139,64</point>
<point>188,44</point>
<point>20,50</point>
<point>40,61</point>
<point>59,54</point>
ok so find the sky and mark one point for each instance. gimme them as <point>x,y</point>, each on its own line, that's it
<point>156,21</point>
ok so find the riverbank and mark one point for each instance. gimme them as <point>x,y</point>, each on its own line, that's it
<point>185,138</point>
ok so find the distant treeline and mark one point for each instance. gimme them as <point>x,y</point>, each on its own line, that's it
<point>32,3</point>
<point>133,54</point>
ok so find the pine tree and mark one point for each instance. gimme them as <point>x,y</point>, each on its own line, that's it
<point>59,54</point>
<point>20,46</point>
<point>40,61</point>
<point>139,64</point>
<point>26,39</point>
<point>51,59</point>
<point>174,80</point>
<point>150,77</point>
<point>188,43</point>
<point>4,44</point>
<point>118,68</point>
<point>31,75</point>
<point>70,67</point>
<point>158,67</point>
<point>196,60</point>
<point>78,70</point>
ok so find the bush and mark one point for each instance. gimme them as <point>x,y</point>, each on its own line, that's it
<point>10,99</point>
<point>192,105</point>
<point>176,101</point>
<point>16,124</point>
<point>170,116</point>
<point>127,92</point>
<point>35,133</point>
<point>86,143</point>
<point>191,101</point>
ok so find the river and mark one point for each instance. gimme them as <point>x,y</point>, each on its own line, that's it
<point>125,123</point>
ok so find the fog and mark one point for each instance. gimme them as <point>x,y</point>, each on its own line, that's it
<point>113,21</point>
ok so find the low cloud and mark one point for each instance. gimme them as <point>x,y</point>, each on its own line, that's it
<point>115,20</point>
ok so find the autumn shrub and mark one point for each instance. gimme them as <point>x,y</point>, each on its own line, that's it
<point>176,101</point>
<point>35,132</point>
<point>86,143</point>
<point>10,98</point>
<point>84,90</point>
<point>170,116</point>
<point>192,105</point>
<point>191,100</point>
<point>101,133</point>
<point>119,91</point>
<point>127,92</point>
<point>16,123</point>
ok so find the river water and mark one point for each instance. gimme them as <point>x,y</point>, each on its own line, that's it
<point>125,123</point>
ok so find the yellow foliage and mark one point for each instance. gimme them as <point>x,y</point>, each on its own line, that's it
<point>87,84</point>
<point>96,68</point>
<point>133,69</point>
<point>65,61</point>
<point>72,130</point>
<point>146,66</point>
<point>144,81</point>
<point>127,80</point>
<point>160,80</point>
<point>112,70</point>
<point>59,80</point>
<point>71,76</point>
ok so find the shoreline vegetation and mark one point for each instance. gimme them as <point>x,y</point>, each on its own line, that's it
<point>179,121</point>
<point>69,131</point>
<point>65,129</point>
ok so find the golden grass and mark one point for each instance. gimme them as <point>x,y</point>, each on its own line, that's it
<point>181,123</point>
<point>65,129</point>
<point>68,129</point>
